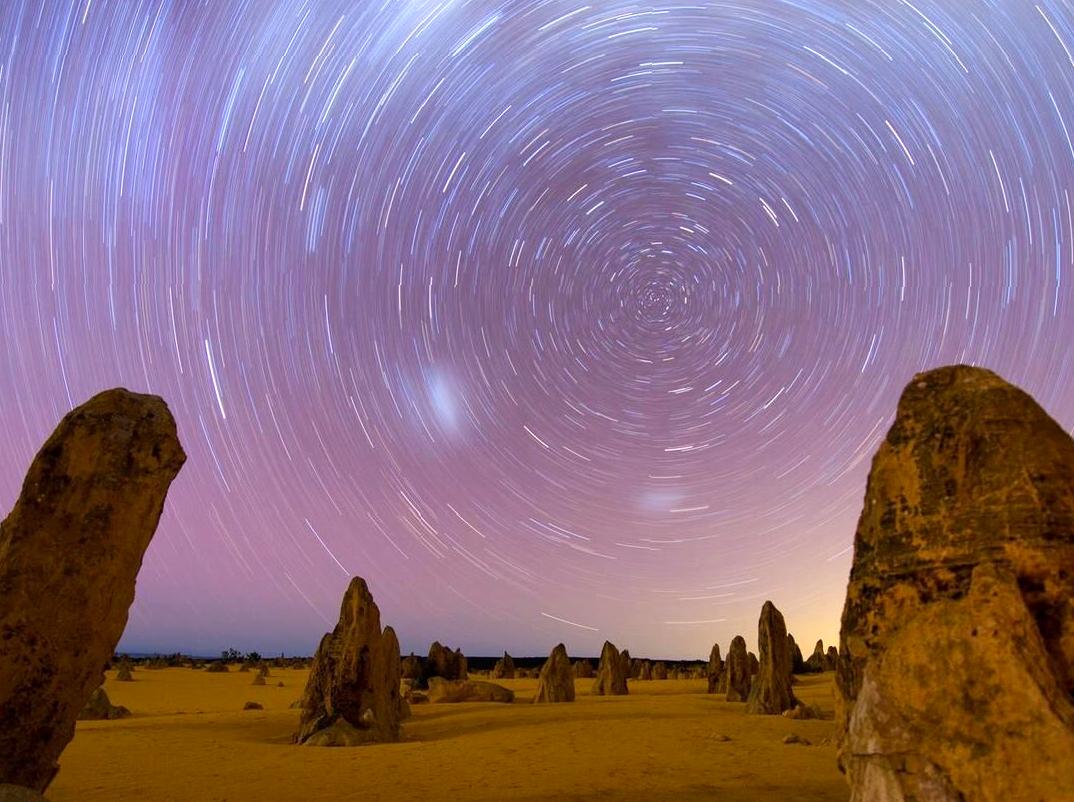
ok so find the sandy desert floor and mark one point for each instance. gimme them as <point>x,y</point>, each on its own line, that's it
<point>189,740</point>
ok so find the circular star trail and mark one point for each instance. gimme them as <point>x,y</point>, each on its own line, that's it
<point>555,321</point>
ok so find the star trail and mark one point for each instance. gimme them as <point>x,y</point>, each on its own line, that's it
<point>553,320</point>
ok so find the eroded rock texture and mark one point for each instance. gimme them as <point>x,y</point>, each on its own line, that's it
<point>450,691</point>
<point>556,681</point>
<point>611,677</point>
<point>715,669</point>
<point>504,668</point>
<point>770,693</point>
<point>737,671</point>
<point>443,662</point>
<point>69,555</point>
<point>355,679</point>
<point>797,663</point>
<point>582,669</point>
<point>100,708</point>
<point>956,662</point>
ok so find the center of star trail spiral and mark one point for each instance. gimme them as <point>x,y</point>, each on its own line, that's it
<point>554,321</point>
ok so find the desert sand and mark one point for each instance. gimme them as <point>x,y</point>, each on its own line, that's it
<point>190,740</point>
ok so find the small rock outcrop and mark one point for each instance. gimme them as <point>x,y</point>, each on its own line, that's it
<point>611,677</point>
<point>955,674</point>
<point>715,669</point>
<point>645,670</point>
<point>504,668</point>
<point>737,669</point>
<point>100,708</point>
<point>411,667</point>
<point>456,690</point>
<point>770,693</point>
<point>831,659</point>
<point>660,671</point>
<point>817,661</point>
<point>582,669</point>
<point>70,551</point>
<point>556,681</point>
<point>797,662</point>
<point>445,663</point>
<point>355,678</point>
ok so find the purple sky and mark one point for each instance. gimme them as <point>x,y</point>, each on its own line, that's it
<point>553,320</point>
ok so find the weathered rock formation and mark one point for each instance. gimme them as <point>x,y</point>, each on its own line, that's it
<point>627,663</point>
<point>715,669</point>
<point>611,677</point>
<point>100,708</point>
<point>70,551</point>
<point>797,662</point>
<point>582,669</point>
<point>770,693</point>
<point>955,673</point>
<point>556,681</point>
<point>411,667</point>
<point>125,672</point>
<point>504,668</point>
<point>660,671</point>
<point>445,663</point>
<point>354,681</point>
<point>737,670</point>
<point>817,661</point>
<point>754,664</point>
<point>645,670</point>
<point>454,690</point>
<point>831,659</point>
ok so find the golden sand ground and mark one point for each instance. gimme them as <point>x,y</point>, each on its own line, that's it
<point>190,741</point>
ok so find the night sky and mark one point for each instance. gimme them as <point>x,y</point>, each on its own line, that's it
<point>553,321</point>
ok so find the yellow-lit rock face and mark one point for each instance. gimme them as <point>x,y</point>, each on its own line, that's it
<point>355,679</point>
<point>956,665</point>
<point>69,554</point>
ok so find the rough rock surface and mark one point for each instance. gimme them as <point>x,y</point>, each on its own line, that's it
<point>445,663</point>
<point>645,670</point>
<point>956,661</point>
<point>611,677</point>
<point>770,693</point>
<point>100,708</point>
<point>797,662</point>
<point>715,669</point>
<point>582,669</point>
<point>660,671</point>
<point>831,659</point>
<point>455,690</point>
<point>70,551</point>
<point>354,678</point>
<point>556,681</point>
<point>737,671</point>
<point>628,663</point>
<point>411,667</point>
<point>817,661</point>
<point>504,668</point>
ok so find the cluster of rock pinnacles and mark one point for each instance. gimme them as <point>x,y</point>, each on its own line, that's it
<point>954,674</point>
